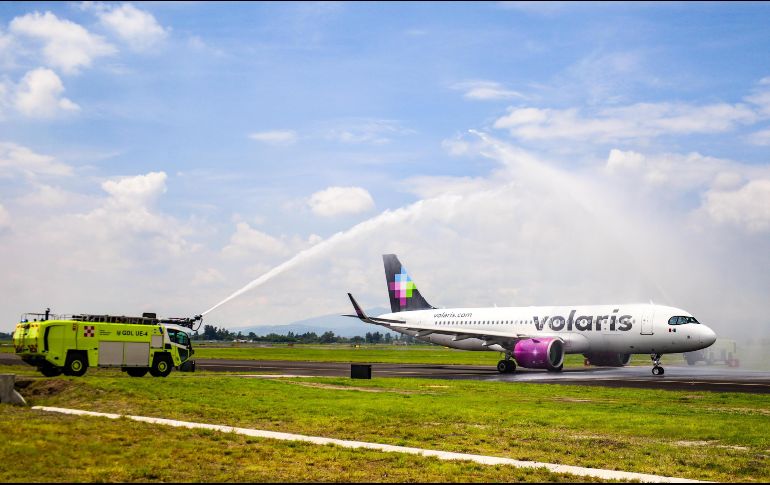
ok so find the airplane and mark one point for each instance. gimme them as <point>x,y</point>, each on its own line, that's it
<point>538,337</point>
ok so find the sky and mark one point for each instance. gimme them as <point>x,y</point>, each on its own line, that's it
<point>160,156</point>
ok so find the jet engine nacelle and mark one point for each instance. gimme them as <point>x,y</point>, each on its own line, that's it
<point>608,359</point>
<point>539,353</point>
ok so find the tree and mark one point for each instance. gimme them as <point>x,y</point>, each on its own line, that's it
<point>328,338</point>
<point>209,332</point>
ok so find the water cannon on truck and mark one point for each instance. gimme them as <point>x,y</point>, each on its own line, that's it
<point>69,344</point>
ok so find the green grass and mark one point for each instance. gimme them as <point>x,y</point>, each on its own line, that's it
<point>56,448</point>
<point>408,354</point>
<point>696,435</point>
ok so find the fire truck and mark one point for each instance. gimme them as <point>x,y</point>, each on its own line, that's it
<point>69,344</point>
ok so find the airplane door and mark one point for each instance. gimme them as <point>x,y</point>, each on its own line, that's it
<point>647,324</point>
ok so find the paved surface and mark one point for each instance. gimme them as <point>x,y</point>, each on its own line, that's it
<point>700,378</point>
<point>696,378</point>
<point>442,455</point>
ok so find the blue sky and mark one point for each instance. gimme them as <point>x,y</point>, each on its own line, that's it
<point>157,156</point>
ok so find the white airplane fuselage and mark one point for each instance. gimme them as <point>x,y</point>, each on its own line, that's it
<point>625,329</point>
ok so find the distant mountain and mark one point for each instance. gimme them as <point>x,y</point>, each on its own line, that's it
<point>341,326</point>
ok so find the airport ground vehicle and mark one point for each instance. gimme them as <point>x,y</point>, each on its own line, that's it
<point>722,352</point>
<point>69,344</point>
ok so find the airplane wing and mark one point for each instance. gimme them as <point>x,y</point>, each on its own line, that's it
<point>490,337</point>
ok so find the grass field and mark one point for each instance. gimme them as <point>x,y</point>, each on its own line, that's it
<point>707,436</point>
<point>55,448</point>
<point>408,354</point>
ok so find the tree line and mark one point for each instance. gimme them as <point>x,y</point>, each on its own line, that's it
<point>211,332</point>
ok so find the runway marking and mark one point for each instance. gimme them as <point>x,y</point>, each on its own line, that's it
<point>442,455</point>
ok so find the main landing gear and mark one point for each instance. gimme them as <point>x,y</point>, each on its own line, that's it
<point>507,365</point>
<point>657,370</point>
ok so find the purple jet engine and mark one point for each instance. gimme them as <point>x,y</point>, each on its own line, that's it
<point>539,353</point>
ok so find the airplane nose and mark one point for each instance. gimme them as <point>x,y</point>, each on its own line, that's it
<point>709,337</point>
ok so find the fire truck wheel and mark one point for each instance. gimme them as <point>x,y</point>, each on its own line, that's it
<point>77,364</point>
<point>50,370</point>
<point>137,371</point>
<point>161,366</point>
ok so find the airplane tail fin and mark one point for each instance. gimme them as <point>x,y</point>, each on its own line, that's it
<point>404,295</point>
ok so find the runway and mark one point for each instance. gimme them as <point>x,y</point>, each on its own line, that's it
<point>693,378</point>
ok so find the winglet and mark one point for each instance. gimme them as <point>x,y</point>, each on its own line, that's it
<point>359,313</point>
<point>364,317</point>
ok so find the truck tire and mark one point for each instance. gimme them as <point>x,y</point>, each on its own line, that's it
<point>161,365</point>
<point>50,370</point>
<point>137,371</point>
<point>77,364</point>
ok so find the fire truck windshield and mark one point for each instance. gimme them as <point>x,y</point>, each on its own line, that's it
<point>178,337</point>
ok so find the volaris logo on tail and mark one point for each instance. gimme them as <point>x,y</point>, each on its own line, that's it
<point>402,287</point>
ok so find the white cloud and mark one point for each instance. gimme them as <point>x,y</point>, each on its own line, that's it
<point>688,172</point>
<point>366,131</point>
<point>127,220</point>
<point>39,95</point>
<point>249,241</point>
<point>19,159</point>
<point>486,90</point>
<point>8,50</point>
<point>761,97</point>
<point>761,138</point>
<point>620,160</point>
<point>641,120</point>
<point>748,206</point>
<point>456,147</point>
<point>5,218</point>
<point>48,197</point>
<point>5,95</point>
<point>208,277</point>
<point>334,201</point>
<point>139,190</point>
<point>138,28</point>
<point>275,137</point>
<point>66,45</point>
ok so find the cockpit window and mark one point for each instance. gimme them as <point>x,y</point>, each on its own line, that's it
<point>681,320</point>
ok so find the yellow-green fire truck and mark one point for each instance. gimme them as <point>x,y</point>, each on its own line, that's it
<point>69,344</point>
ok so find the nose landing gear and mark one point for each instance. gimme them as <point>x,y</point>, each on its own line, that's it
<point>657,370</point>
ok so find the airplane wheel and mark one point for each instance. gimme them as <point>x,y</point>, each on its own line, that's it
<point>557,369</point>
<point>506,366</point>
<point>658,371</point>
